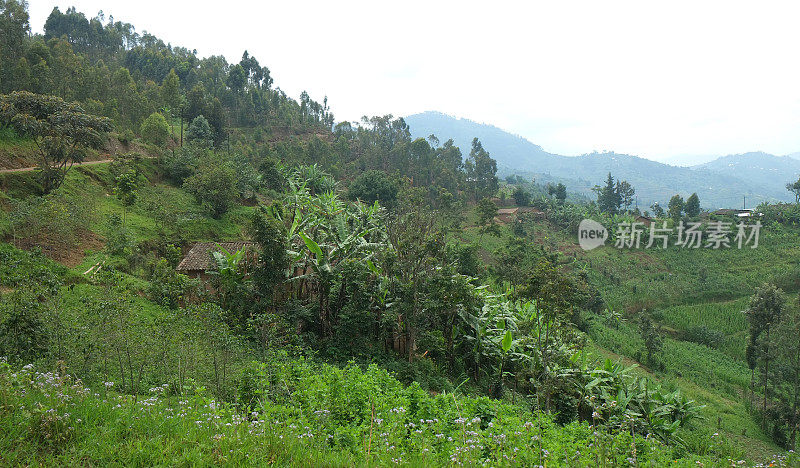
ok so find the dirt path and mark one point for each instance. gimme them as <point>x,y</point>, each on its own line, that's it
<point>28,169</point>
<point>85,163</point>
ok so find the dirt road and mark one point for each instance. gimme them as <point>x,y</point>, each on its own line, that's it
<point>28,169</point>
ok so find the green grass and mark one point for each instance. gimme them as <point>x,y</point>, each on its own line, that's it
<point>726,317</point>
<point>317,416</point>
<point>658,278</point>
<point>95,184</point>
<point>20,184</point>
<point>687,290</point>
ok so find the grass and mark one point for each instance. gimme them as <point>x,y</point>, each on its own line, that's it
<point>687,291</point>
<point>95,183</point>
<point>50,419</point>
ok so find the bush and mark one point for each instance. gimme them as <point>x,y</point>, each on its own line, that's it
<point>200,131</point>
<point>23,337</point>
<point>181,164</point>
<point>155,129</point>
<point>214,187</point>
<point>126,137</point>
<point>53,223</point>
<point>704,336</point>
<point>118,241</point>
<point>168,288</point>
<point>374,186</point>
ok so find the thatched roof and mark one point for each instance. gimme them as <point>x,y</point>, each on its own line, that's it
<point>199,257</point>
<point>507,211</point>
<point>519,210</point>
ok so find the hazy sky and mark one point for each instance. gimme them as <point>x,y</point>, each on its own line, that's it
<point>664,82</point>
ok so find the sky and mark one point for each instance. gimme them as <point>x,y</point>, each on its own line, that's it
<point>671,81</point>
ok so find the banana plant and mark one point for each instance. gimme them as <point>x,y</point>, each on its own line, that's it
<point>325,233</point>
<point>231,278</point>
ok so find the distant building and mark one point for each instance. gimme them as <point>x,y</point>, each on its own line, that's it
<point>646,220</point>
<point>739,213</point>
<point>507,215</point>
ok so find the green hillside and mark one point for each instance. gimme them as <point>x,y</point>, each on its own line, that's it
<point>360,297</point>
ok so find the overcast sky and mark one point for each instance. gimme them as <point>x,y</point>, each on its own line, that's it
<point>664,82</point>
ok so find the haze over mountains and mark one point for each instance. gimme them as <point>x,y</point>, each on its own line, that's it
<point>725,182</point>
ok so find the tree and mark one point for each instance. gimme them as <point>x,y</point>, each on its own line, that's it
<point>625,192</point>
<point>521,196</point>
<point>658,212</point>
<point>237,78</point>
<point>795,189</point>
<point>765,310</point>
<point>126,181</point>
<point>417,246</point>
<point>651,335</point>
<point>608,197</point>
<point>14,30</point>
<point>487,211</point>
<point>561,193</point>
<point>214,186</point>
<point>675,207</point>
<point>171,94</point>
<point>200,131</point>
<point>62,132</point>
<point>270,235</point>
<point>481,172</point>
<point>155,129</point>
<point>171,91</point>
<point>692,207</point>
<point>788,341</point>
<point>372,186</point>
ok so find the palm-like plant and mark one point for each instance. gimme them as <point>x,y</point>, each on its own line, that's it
<point>324,232</point>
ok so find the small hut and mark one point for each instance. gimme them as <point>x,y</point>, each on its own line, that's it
<point>507,215</point>
<point>200,259</point>
<point>646,220</point>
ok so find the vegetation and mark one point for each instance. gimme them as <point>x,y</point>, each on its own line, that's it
<point>62,132</point>
<point>367,318</point>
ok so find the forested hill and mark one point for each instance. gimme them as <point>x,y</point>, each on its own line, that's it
<point>512,151</point>
<point>717,184</point>
<point>767,171</point>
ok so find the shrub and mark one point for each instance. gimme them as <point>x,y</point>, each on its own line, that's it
<point>126,137</point>
<point>168,288</point>
<point>118,241</point>
<point>181,164</point>
<point>54,223</point>
<point>372,186</point>
<point>23,337</point>
<point>200,131</point>
<point>704,336</point>
<point>155,129</point>
<point>214,187</point>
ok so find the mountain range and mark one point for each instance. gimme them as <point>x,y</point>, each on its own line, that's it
<point>726,182</point>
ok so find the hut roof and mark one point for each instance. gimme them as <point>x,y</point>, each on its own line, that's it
<point>507,211</point>
<point>199,256</point>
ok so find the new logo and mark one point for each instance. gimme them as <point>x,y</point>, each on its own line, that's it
<point>591,234</point>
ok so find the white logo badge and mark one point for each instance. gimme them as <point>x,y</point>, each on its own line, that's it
<point>591,234</point>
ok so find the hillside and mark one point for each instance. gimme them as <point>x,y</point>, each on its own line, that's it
<point>231,278</point>
<point>654,181</point>
<point>768,172</point>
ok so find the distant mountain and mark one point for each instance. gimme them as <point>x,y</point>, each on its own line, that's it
<point>517,152</point>
<point>766,171</point>
<point>689,160</point>
<point>653,181</point>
